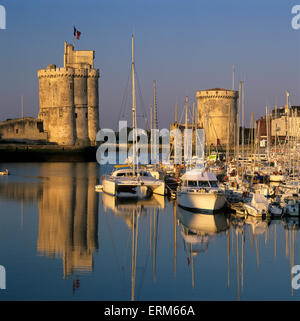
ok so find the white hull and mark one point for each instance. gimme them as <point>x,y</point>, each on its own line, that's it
<point>139,189</point>
<point>200,201</point>
<point>276,178</point>
<point>253,211</point>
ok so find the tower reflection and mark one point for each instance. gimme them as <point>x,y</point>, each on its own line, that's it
<point>68,215</point>
<point>68,211</point>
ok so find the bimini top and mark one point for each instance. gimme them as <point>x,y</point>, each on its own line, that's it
<point>199,175</point>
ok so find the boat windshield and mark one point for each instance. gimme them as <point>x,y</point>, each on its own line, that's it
<point>213,183</point>
<point>204,184</point>
<point>192,184</point>
<point>200,183</point>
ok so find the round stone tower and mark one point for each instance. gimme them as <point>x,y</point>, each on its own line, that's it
<point>69,99</point>
<point>56,98</point>
<point>93,105</point>
<point>81,106</point>
<point>217,110</point>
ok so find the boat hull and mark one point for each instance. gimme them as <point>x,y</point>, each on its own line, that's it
<point>140,190</point>
<point>276,178</point>
<point>203,202</point>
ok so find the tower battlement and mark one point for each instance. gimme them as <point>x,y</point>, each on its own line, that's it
<point>69,99</point>
<point>55,72</point>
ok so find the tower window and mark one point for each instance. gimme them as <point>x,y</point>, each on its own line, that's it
<point>17,131</point>
<point>86,115</point>
<point>40,127</point>
<point>75,115</point>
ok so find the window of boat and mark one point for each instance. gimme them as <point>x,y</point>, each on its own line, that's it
<point>192,183</point>
<point>214,184</point>
<point>121,174</point>
<point>203,184</point>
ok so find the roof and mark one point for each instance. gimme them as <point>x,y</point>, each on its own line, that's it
<point>215,89</point>
<point>199,175</point>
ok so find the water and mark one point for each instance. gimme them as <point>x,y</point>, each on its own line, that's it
<point>60,240</point>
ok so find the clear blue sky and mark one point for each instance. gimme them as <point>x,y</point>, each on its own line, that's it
<point>185,45</point>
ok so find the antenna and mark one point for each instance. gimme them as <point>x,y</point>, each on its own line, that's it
<point>22,106</point>
<point>233,70</point>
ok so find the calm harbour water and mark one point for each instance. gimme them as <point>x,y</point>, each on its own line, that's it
<point>60,240</point>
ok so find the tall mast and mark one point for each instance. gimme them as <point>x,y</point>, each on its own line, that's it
<point>151,117</point>
<point>243,119</point>
<point>268,139</point>
<point>134,126</point>
<point>186,111</point>
<point>238,124</point>
<point>155,122</point>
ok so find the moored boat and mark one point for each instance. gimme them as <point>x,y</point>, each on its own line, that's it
<point>199,191</point>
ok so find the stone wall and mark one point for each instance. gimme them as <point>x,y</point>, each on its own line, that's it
<point>23,130</point>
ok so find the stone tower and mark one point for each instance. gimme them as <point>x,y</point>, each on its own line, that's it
<point>217,110</point>
<point>69,100</point>
<point>56,91</point>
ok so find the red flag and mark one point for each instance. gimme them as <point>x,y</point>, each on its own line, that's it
<point>77,33</point>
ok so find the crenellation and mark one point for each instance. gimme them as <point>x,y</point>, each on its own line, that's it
<point>69,99</point>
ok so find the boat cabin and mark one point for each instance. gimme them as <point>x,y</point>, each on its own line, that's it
<point>199,179</point>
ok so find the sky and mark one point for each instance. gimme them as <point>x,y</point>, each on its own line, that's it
<point>185,45</point>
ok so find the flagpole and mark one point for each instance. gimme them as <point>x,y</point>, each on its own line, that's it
<point>74,28</point>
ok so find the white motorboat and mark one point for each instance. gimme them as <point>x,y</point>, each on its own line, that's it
<point>128,183</point>
<point>199,191</point>
<point>258,206</point>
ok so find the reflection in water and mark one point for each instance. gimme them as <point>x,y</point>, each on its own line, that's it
<point>148,248</point>
<point>68,212</point>
<point>197,230</point>
<point>261,229</point>
<point>132,210</point>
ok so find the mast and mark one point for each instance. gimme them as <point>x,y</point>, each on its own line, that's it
<point>134,126</point>
<point>238,125</point>
<point>252,142</point>
<point>186,111</point>
<point>268,132</point>
<point>151,117</point>
<point>243,121</point>
<point>155,122</point>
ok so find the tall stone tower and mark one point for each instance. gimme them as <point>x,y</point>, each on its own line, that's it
<point>217,111</point>
<point>69,101</point>
<point>56,91</point>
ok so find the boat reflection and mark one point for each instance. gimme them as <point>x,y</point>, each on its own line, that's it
<point>197,230</point>
<point>199,225</point>
<point>68,212</point>
<point>132,211</point>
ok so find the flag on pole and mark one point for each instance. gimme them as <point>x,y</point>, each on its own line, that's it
<point>77,33</point>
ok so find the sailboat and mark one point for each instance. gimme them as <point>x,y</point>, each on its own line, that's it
<point>133,181</point>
